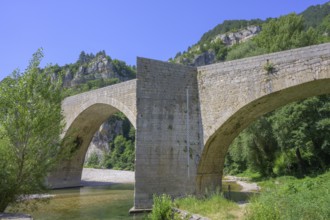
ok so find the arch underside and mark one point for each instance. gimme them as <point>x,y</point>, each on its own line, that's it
<point>78,137</point>
<point>210,169</point>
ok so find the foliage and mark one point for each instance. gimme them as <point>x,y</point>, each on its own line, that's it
<point>89,85</point>
<point>122,149</point>
<point>85,57</point>
<point>269,67</point>
<point>303,129</point>
<point>289,198</point>
<point>121,156</point>
<point>162,208</point>
<point>93,161</point>
<point>247,49</point>
<point>122,69</point>
<point>293,140</point>
<point>30,126</point>
<point>314,15</point>
<point>284,33</point>
<point>213,207</point>
<point>324,29</point>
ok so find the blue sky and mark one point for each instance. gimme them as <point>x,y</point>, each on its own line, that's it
<point>124,29</point>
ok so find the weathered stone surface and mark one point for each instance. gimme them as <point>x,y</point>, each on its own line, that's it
<point>189,216</point>
<point>205,58</point>
<point>167,125</point>
<point>175,108</point>
<point>240,36</point>
<point>84,113</point>
<point>234,94</point>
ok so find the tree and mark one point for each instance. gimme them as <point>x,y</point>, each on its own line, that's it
<point>285,33</point>
<point>30,126</point>
<point>302,130</point>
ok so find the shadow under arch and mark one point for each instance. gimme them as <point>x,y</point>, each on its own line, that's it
<point>210,167</point>
<point>78,137</point>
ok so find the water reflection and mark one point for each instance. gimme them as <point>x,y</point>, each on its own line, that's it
<point>106,202</point>
<point>97,202</point>
<point>232,191</point>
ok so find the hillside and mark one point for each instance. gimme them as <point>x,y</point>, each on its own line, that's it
<point>231,39</point>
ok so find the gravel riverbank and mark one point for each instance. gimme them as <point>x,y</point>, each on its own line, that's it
<point>95,177</point>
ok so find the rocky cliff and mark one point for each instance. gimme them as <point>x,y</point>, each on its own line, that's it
<point>92,72</point>
<point>204,53</point>
<point>100,67</point>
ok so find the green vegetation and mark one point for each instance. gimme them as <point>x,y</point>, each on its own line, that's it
<point>227,26</point>
<point>290,198</point>
<point>162,208</point>
<point>122,149</point>
<point>314,15</point>
<point>285,33</point>
<point>89,85</point>
<point>121,156</point>
<point>213,207</point>
<point>93,161</point>
<point>30,128</point>
<point>293,140</point>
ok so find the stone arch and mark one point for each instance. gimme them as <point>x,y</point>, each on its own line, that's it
<point>84,114</point>
<point>210,168</point>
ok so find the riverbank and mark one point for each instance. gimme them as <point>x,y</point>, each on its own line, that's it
<point>243,182</point>
<point>101,177</point>
<point>94,177</point>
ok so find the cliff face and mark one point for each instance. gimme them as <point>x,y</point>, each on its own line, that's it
<point>101,67</point>
<point>105,135</point>
<point>197,56</point>
<point>240,36</point>
<point>91,72</point>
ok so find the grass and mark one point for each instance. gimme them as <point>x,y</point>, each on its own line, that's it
<point>281,198</point>
<point>213,207</point>
<point>291,198</point>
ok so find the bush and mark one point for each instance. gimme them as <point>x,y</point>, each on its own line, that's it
<point>162,208</point>
<point>93,161</point>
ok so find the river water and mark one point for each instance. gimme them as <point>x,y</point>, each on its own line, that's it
<point>102,202</point>
<point>86,203</point>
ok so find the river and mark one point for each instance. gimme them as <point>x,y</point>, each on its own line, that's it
<point>86,203</point>
<point>112,200</point>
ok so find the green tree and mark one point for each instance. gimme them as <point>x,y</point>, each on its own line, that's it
<point>93,161</point>
<point>30,128</point>
<point>122,154</point>
<point>246,49</point>
<point>302,130</point>
<point>285,33</point>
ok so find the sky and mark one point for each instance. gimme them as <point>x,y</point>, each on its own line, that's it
<point>125,29</point>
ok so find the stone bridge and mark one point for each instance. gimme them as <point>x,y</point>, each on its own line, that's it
<point>186,117</point>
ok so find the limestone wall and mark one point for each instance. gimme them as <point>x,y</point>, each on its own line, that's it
<point>84,113</point>
<point>163,130</point>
